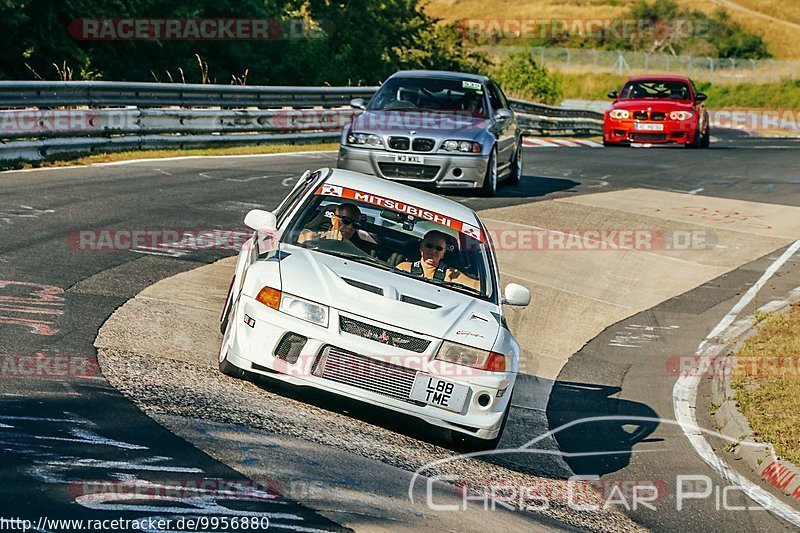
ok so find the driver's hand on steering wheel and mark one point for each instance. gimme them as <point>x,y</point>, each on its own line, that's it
<point>334,235</point>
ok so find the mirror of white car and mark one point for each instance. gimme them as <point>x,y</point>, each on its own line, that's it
<point>261,220</point>
<point>515,294</point>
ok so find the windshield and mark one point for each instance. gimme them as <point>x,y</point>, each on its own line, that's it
<point>381,233</point>
<point>432,94</point>
<point>676,90</point>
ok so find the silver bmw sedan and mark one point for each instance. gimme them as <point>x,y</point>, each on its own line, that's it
<point>436,129</point>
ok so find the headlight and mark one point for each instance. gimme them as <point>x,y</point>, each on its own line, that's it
<point>462,146</point>
<point>467,356</point>
<point>619,114</point>
<point>305,310</point>
<point>294,306</point>
<point>368,140</point>
<point>681,115</point>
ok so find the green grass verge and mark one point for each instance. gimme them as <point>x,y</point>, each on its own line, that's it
<point>72,160</point>
<point>766,379</point>
<point>784,95</point>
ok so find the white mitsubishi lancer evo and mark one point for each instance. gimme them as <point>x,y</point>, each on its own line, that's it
<point>379,292</point>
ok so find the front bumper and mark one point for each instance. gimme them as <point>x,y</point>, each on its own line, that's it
<point>438,170</point>
<point>254,349</point>
<point>674,132</point>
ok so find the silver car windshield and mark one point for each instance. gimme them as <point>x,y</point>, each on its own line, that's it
<point>431,94</point>
<point>396,242</point>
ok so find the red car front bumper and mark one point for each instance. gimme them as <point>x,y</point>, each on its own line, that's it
<point>630,131</point>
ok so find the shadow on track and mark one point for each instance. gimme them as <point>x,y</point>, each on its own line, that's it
<point>597,447</point>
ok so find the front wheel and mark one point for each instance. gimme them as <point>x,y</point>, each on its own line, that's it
<point>516,167</point>
<point>489,187</point>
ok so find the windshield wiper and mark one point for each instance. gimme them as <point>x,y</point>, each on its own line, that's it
<point>458,286</point>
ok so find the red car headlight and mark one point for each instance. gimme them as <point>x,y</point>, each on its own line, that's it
<point>681,115</point>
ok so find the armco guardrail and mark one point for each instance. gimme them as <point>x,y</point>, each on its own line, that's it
<point>45,119</point>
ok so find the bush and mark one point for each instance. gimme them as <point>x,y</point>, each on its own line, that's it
<point>521,77</point>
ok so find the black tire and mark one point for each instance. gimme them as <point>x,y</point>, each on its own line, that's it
<point>609,144</point>
<point>516,167</point>
<point>489,187</point>
<point>701,139</point>
<point>706,141</point>
<point>466,443</point>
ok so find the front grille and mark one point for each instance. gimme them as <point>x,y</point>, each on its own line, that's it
<point>289,347</point>
<point>383,335</point>
<point>640,115</point>
<point>398,143</point>
<point>648,137</point>
<point>658,116</point>
<point>368,374</point>
<point>423,145</point>
<point>363,286</point>
<point>405,171</point>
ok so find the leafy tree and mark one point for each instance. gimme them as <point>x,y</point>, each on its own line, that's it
<point>520,76</point>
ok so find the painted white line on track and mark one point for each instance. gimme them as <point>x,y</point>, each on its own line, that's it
<point>684,395</point>
<point>176,158</point>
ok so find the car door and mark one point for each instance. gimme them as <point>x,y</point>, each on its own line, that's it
<point>505,128</point>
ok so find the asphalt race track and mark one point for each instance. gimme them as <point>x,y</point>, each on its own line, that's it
<point>64,433</point>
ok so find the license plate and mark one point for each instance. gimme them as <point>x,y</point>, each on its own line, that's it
<point>409,158</point>
<point>438,392</point>
<point>649,127</point>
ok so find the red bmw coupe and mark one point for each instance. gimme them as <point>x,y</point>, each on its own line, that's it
<point>657,110</point>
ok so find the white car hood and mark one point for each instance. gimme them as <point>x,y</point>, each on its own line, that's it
<point>328,280</point>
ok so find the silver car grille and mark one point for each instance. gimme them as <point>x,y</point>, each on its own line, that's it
<point>383,335</point>
<point>365,373</point>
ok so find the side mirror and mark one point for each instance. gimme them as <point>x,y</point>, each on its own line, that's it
<point>612,95</point>
<point>504,113</point>
<point>259,220</point>
<point>516,295</point>
<point>700,97</point>
<point>358,103</point>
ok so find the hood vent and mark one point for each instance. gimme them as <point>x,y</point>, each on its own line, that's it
<point>363,286</point>
<point>416,301</point>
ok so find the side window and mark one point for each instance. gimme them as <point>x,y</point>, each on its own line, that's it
<point>501,94</point>
<point>297,193</point>
<point>494,98</point>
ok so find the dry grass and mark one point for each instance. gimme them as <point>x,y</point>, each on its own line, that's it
<point>781,9</point>
<point>112,157</point>
<point>781,39</point>
<point>767,380</point>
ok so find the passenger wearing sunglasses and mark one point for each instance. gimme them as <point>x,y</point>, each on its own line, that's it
<point>432,248</point>
<point>345,222</point>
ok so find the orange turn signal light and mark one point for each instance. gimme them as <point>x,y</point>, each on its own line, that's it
<point>496,362</point>
<point>270,297</point>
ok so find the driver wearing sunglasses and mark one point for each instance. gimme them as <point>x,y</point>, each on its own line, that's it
<point>345,222</point>
<point>432,248</point>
